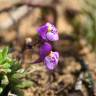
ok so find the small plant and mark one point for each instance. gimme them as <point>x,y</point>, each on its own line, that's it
<point>11,74</point>
<point>47,34</point>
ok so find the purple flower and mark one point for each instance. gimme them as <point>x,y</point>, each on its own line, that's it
<point>51,60</point>
<point>45,50</point>
<point>48,32</point>
<point>49,57</point>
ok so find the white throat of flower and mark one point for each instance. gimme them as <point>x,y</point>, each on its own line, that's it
<point>49,27</point>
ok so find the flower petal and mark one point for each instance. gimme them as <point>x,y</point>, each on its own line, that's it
<point>51,62</point>
<point>42,31</point>
<point>48,32</point>
<point>56,54</point>
<point>52,36</point>
<point>45,50</point>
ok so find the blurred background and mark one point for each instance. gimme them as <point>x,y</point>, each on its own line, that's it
<point>76,24</point>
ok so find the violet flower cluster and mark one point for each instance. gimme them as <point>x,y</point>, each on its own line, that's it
<point>48,33</point>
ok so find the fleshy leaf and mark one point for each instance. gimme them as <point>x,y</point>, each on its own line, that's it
<point>5,80</point>
<point>5,52</point>
<point>1,89</point>
<point>18,75</point>
<point>24,84</point>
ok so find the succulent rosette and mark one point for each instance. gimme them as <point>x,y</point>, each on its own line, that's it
<point>48,32</point>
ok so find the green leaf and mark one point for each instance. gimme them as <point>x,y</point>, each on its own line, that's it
<point>7,70</point>
<point>4,80</point>
<point>5,52</point>
<point>21,70</point>
<point>15,66</point>
<point>18,75</point>
<point>1,89</point>
<point>6,65</point>
<point>24,84</point>
<point>3,55</point>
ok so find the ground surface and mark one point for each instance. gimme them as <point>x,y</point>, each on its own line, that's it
<point>61,81</point>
